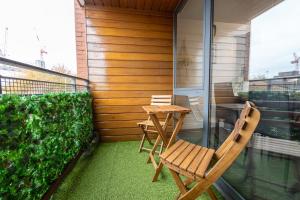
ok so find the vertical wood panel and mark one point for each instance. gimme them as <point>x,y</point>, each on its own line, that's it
<point>107,3</point>
<point>123,3</point>
<point>148,4</point>
<point>140,4</point>
<point>128,62</point>
<point>115,3</point>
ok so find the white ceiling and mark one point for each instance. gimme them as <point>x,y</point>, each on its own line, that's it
<point>229,11</point>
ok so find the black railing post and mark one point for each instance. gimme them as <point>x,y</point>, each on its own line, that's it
<point>0,85</point>
<point>75,85</point>
<point>88,89</point>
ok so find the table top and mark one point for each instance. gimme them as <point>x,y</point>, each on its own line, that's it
<point>166,109</point>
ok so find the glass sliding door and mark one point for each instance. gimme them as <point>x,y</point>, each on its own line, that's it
<point>188,77</point>
<point>255,56</point>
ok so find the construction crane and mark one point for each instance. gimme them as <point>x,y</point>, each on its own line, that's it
<point>296,61</point>
<point>42,50</point>
<point>41,61</point>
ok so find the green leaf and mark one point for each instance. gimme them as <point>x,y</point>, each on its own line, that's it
<point>39,134</point>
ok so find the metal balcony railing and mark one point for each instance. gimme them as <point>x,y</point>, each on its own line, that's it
<point>25,79</point>
<point>280,84</point>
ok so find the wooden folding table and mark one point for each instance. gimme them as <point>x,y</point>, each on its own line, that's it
<point>152,111</point>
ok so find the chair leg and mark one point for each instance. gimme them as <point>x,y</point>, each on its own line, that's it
<point>200,187</point>
<point>211,194</point>
<point>142,143</point>
<point>188,181</point>
<point>178,196</point>
<point>178,182</point>
<point>157,171</point>
<point>147,137</point>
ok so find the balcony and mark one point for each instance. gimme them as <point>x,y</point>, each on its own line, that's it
<point>47,129</point>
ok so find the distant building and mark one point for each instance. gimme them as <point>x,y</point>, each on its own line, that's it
<point>286,81</point>
<point>40,63</point>
<point>287,74</point>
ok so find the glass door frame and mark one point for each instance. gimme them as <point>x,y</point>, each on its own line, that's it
<point>208,17</point>
<point>207,45</point>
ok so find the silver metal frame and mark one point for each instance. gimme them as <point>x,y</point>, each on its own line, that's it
<point>208,16</point>
<point>207,38</point>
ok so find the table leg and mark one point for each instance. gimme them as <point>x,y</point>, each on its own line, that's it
<point>176,130</point>
<point>158,127</point>
<point>171,141</point>
<point>161,136</point>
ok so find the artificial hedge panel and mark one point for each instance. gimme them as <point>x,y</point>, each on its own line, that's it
<point>39,135</point>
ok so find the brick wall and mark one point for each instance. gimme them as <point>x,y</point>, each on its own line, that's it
<point>81,46</point>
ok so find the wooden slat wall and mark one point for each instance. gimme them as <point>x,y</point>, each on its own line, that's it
<point>129,59</point>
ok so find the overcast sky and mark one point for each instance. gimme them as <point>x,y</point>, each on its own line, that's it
<point>53,22</point>
<point>275,35</point>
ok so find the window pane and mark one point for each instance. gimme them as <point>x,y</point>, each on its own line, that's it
<point>255,57</point>
<point>189,45</point>
<point>188,76</point>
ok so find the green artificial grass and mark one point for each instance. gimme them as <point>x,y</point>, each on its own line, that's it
<point>118,171</point>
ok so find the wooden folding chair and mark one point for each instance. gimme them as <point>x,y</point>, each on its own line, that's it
<point>147,126</point>
<point>203,165</point>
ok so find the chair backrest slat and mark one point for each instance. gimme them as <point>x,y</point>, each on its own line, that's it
<point>195,100</point>
<point>161,100</point>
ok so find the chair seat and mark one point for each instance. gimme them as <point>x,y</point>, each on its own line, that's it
<point>188,159</point>
<point>149,123</point>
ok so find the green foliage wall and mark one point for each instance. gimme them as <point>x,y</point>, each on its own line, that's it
<point>39,135</point>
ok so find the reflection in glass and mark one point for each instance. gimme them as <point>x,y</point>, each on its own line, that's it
<point>255,57</point>
<point>189,46</point>
<point>188,76</point>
